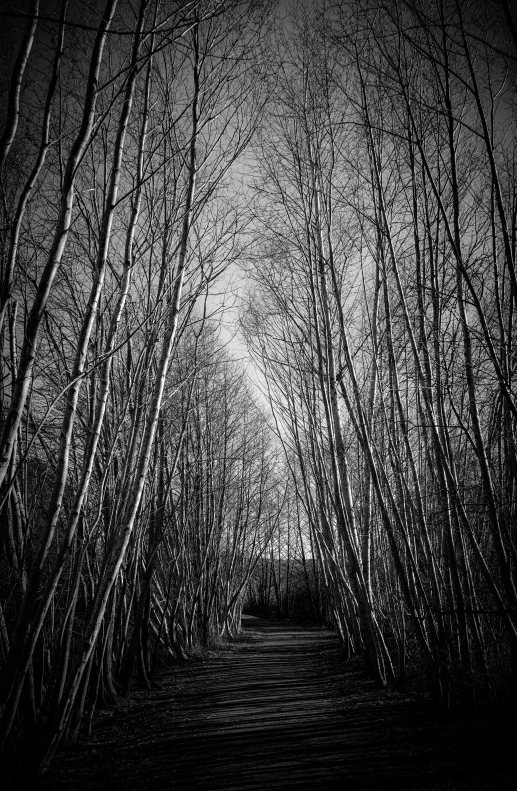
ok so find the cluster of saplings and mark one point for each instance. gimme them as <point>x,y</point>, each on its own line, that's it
<point>356,161</point>
<point>138,480</point>
<point>382,316</point>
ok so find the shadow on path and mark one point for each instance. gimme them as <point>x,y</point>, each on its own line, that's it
<point>277,712</point>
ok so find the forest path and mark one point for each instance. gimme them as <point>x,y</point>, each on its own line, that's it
<point>277,712</point>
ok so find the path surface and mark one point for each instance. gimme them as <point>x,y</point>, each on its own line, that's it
<point>279,712</point>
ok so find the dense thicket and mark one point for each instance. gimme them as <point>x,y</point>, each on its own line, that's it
<point>382,315</point>
<point>137,475</point>
<point>143,494</point>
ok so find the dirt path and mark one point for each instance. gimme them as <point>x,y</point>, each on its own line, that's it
<point>279,712</point>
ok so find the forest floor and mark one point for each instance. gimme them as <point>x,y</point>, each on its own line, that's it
<point>277,710</point>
